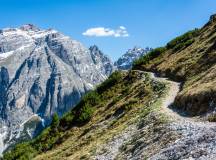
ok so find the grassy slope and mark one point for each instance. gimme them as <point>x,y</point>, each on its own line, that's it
<point>191,60</point>
<point>119,103</point>
<point>132,98</point>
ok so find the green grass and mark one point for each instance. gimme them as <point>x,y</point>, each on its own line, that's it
<point>176,44</point>
<point>119,100</point>
<point>53,135</point>
<point>148,57</point>
<point>183,41</point>
<point>212,118</point>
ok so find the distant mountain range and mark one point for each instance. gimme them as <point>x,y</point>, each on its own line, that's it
<point>126,60</point>
<point>123,63</point>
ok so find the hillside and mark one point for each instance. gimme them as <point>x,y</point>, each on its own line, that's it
<point>114,109</point>
<point>190,59</point>
<point>138,114</point>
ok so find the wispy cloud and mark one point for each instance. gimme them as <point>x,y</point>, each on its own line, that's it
<point>106,32</point>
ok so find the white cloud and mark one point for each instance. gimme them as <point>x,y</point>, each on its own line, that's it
<point>106,32</point>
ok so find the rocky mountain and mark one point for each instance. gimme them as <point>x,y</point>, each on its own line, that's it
<point>126,60</point>
<point>101,61</point>
<point>162,109</point>
<point>42,72</point>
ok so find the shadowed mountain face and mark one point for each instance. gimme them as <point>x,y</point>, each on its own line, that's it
<point>41,72</point>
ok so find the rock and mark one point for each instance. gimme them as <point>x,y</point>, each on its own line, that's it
<point>125,62</point>
<point>102,61</point>
<point>43,72</point>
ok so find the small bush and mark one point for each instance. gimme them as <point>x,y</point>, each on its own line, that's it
<point>21,151</point>
<point>111,81</point>
<point>85,114</point>
<point>91,98</point>
<point>66,120</point>
<point>183,41</point>
<point>55,122</point>
<point>212,118</point>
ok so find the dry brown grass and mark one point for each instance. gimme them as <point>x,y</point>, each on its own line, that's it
<point>196,67</point>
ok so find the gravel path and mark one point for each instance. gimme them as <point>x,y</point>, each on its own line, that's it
<point>198,138</point>
<point>180,117</point>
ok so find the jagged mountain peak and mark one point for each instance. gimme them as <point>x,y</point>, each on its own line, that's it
<point>42,72</point>
<point>29,27</point>
<point>126,60</point>
<point>102,61</point>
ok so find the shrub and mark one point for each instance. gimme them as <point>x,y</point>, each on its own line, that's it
<point>111,81</point>
<point>46,140</point>
<point>183,41</point>
<point>66,120</point>
<point>91,98</point>
<point>21,151</point>
<point>212,118</point>
<point>85,114</point>
<point>55,122</point>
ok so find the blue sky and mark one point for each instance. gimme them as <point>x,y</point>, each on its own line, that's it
<point>128,22</point>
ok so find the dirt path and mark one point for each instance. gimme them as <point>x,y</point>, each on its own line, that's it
<point>174,89</point>
<point>177,116</point>
<point>195,139</point>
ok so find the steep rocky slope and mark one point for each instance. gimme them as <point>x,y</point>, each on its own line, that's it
<point>128,117</point>
<point>126,60</point>
<point>42,72</point>
<point>191,59</point>
<point>102,61</point>
<point>115,107</point>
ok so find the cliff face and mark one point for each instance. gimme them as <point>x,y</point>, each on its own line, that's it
<point>42,72</point>
<point>102,61</point>
<point>191,59</point>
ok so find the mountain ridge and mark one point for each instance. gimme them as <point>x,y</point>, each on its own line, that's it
<point>137,115</point>
<point>42,72</point>
<point>126,60</point>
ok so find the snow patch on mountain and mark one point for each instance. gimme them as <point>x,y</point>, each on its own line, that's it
<point>126,60</point>
<point>42,72</point>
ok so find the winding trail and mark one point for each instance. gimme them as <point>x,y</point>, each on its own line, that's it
<point>194,139</point>
<point>177,116</point>
<point>198,138</point>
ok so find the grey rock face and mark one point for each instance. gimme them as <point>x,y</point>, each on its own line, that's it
<point>102,61</point>
<point>125,62</point>
<point>41,72</point>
